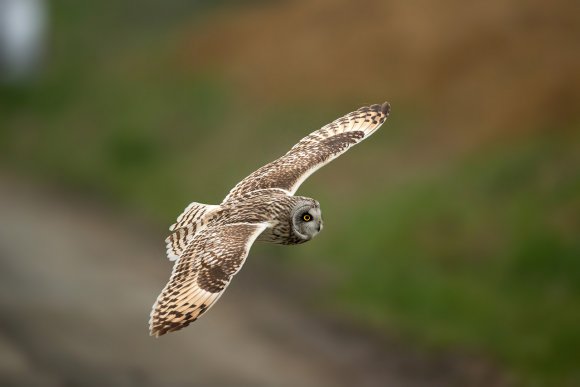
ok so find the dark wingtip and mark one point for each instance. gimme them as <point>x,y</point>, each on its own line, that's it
<point>386,108</point>
<point>155,333</point>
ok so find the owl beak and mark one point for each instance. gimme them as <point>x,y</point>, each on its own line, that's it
<point>319,226</point>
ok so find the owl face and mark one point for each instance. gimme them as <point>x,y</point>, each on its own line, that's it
<point>307,220</point>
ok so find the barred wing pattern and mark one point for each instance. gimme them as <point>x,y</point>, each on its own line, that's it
<point>201,274</point>
<point>183,230</point>
<point>314,151</point>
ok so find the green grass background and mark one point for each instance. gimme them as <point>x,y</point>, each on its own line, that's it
<point>474,247</point>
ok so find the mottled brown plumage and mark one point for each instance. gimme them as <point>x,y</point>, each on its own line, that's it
<point>211,242</point>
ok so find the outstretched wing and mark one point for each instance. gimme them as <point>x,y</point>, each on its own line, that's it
<point>201,275</point>
<point>314,151</point>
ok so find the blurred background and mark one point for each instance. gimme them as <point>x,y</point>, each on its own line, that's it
<point>451,252</point>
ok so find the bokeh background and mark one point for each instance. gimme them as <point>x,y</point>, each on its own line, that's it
<point>452,237</point>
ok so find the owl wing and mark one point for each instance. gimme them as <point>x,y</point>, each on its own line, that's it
<point>314,151</point>
<point>201,274</point>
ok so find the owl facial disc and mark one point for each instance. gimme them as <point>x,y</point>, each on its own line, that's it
<point>307,220</point>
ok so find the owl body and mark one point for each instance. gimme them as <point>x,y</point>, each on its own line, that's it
<point>209,243</point>
<point>283,214</point>
<point>288,225</point>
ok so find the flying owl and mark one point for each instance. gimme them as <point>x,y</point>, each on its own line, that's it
<point>209,243</point>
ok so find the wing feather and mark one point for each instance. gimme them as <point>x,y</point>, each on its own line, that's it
<point>314,151</point>
<point>201,275</point>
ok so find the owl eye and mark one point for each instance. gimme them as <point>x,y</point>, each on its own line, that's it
<point>306,217</point>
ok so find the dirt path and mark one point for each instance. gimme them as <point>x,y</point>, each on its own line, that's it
<point>76,285</point>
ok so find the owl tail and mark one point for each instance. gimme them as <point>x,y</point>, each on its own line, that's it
<point>187,224</point>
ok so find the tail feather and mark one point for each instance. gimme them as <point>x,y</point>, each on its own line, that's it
<point>187,224</point>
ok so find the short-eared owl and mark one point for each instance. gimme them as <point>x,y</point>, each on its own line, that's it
<point>209,243</point>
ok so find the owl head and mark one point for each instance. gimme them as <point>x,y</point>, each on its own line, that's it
<point>307,219</point>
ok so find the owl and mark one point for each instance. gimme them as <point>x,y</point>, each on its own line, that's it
<point>209,243</point>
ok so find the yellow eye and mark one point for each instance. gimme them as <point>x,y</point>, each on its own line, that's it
<point>306,217</point>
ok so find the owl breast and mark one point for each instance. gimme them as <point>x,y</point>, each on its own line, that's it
<point>281,233</point>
